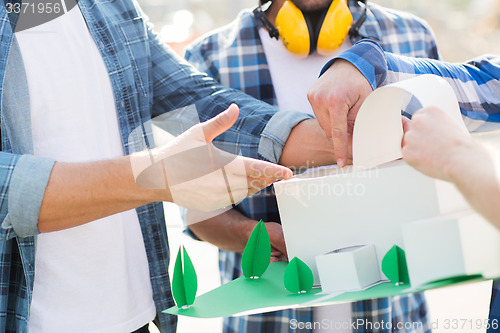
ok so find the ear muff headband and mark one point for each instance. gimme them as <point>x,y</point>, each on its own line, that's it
<point>298,37</point>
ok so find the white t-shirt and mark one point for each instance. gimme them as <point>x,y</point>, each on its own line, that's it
<point>292,77</point>
<point>95,277</point>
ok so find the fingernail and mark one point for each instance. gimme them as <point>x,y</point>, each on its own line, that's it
<point>232,108</point>
<point>340,163</point>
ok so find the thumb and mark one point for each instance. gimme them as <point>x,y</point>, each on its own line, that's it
<point>220,123</point>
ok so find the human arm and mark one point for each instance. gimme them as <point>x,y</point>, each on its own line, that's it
<point>367,67</point>
<point>231,230</point>
<point>436,146</point>
<point>475,82</point>
<point>64,195</point>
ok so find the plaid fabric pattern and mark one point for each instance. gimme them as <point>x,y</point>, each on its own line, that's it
<point>234,56</point>
<point>148,79</point>
<point>476,82</point>
<point>494,317</point>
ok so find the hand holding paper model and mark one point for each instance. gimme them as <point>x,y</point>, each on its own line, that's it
<point>336,98</point>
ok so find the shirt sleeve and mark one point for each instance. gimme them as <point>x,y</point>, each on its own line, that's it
<point>24,180</point>
<point>475,82</point>
<point>177,84</point>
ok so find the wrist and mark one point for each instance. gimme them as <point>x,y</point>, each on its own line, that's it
<point>460,159</point>
<point>151,185</point>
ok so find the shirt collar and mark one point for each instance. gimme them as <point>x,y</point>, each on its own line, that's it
<point>370,27</point>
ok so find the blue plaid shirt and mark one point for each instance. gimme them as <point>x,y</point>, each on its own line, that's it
<point>494,317</point>
<point>148,79</point>
<point>234,56</point>
<point>476,82</point>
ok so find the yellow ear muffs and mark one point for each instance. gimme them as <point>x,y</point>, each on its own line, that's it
<point>295,31</point>
<point>297,34</point>
<point>335,27</point>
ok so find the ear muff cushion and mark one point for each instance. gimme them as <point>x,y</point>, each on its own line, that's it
<point>335,27</point>
<point>293,28</point>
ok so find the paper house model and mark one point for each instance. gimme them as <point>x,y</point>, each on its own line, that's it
<point>320,215</point>
<point>352,268</point>
<point>327,209</point>
<point>450,246</point>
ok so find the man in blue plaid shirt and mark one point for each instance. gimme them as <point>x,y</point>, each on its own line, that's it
<point>242,55</point>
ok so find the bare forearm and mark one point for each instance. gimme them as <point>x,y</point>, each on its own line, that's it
<point>307,146</point>
<point>477,176</point>
<point>485,200</point>
<point>82,192</point>
<point>228,231</point>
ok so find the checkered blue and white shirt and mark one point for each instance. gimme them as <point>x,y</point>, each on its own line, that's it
<point>234,56</point>
<point>476,82</point>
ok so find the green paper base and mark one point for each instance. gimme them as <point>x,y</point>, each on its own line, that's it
<point>246,296</point>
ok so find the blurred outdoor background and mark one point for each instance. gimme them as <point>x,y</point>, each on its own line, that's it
<point>464,29</point>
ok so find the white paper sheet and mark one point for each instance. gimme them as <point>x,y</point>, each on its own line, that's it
<point>378,129</point>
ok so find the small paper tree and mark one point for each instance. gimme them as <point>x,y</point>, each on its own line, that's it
<point>184,280</point>
<point>394,266</point>
<point>257,253</point>
<point>298,277</point>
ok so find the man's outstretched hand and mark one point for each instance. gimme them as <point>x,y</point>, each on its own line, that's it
<point>336,98</point>
<point>197,175</point>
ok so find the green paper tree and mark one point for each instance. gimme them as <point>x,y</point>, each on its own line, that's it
<point>298,277</point>
<point>257,253</point>
<point>184,281</point>
<point>394,266</point>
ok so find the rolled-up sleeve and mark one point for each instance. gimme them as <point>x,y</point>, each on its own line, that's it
<point>277,131</point>
<point>24,180</point>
